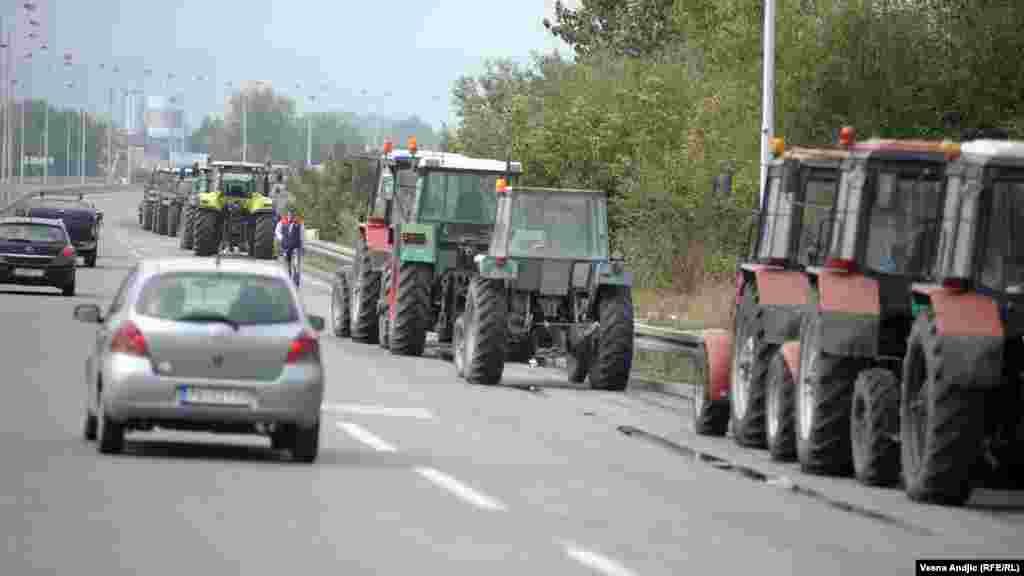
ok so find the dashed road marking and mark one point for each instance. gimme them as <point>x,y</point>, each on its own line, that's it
<point>460,490</point>
<point>595,561</point>
<point>367,410</point>
<point>365,436</point>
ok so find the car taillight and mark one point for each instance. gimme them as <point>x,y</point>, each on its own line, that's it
<point>129,340</point>
<point>68,251</point>
<point>304,348</point>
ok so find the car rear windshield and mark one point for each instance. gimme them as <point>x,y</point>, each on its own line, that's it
<point>207,296</point>
<point>32,233</point>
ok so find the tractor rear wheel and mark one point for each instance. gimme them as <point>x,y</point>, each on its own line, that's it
<point>874,427</point>
<point>185,242</point>
<point>207,233</point>
<point>365,293</point>
<point>941,424</point>
<point>412,309</point>
<point>750,358</point>
<point>263,236</point>
<point>823,397</point>
<point>613,360</point>
<point>485,332</point>
<point>162,213</point>
<point>340,307</point>
<point>173,220</point>
<point>147,216</point>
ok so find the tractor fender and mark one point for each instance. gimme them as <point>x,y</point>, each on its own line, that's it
<point>791,355</point>
<point>717,363</point>
<point>781,296</point>
<point>377,237</point>
<point>260,203</point>
<point>971,335</point>
<point>850,308</point>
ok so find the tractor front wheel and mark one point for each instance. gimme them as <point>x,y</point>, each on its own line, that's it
<point>263,237</point>
<point>340,307</point>
<point>365,293</point>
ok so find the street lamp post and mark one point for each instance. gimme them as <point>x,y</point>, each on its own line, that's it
<point>245,126</point>
<point>309,136</point>
<point>4,72</point>
<point>768,94</point>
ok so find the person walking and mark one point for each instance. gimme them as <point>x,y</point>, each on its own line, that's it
<point>293,235</point>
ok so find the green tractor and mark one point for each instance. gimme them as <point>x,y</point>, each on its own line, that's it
<point>548,283</point>
<point>430,215</point>
<point>235,211</point>
<point>190,207</point>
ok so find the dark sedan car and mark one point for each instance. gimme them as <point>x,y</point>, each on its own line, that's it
<point>81,219</point>
<point>37,252</point>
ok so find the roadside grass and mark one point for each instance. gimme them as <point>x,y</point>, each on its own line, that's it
<point>710,305</point>
<point>665,366</point>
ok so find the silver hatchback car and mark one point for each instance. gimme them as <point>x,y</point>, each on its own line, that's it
<point>205,344</point>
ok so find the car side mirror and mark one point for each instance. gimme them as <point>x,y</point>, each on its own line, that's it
<point>88,313</point>
<point>317,322</point>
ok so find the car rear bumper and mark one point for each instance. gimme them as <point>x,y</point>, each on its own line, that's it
<point>133,391</point>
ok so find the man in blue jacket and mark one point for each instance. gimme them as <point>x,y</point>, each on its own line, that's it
<point>293,234</point>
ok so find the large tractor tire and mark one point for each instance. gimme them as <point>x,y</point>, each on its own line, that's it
<point>147,217</point>
<point>941,424</point>
<point>412,309</point>
<point>341,308</point>
<point>613,358</point>
<point>185,241</point>
<point>875,427</point>
<point>173,221</point>
<point>207,233</point>
<point>161,219</point>
<point>751,356</point>
<point>263,236</point>
<point>824,394</point>
<point>581,357</point>
<point>483,340</point>
<point>780,425</point>
<point>365,293</point>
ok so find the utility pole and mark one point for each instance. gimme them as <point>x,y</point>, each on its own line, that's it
<point>3,96</point>
<point>768,93</point>
<point>81,160</point>
<point>245,134</point>
<point>110,137</point>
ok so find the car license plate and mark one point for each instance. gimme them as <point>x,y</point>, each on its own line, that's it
<point>29,272</point>
<point>216,396</point>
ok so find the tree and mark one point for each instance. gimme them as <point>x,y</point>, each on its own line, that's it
<point>637,28</point>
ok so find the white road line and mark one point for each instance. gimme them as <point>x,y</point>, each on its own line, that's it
<point>460,490</point>
<point>365,436</point>
<point>364,410</point>
<point>595,561</point>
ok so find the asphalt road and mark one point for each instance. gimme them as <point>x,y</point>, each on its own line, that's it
<point>418,473</point>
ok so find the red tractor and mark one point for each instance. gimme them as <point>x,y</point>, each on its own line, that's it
<point>961,399</point>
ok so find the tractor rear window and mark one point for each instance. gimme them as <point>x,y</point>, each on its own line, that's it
<point>459,198</point>
<point>556,226</point>
<point>904,223</point>
<point>1003,257</point>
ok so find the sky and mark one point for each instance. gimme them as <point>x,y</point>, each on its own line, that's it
<point>405,54</point>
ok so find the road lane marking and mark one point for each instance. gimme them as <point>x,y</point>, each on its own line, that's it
<point>460,490</point>
<point>365,436</point>
<point>595,561</point>
<point>365,410</point>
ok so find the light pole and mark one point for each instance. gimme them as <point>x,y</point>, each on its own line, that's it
<point>4,116</point>
<point>67,155</point>
<point>245,125</point>
<point>768,94</point>
<point>46,121</point>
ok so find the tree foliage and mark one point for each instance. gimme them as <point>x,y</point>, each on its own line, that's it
<point>664,95</point>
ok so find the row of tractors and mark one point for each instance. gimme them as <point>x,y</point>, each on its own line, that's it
<point>496,272</point>
<point>879,323</point>
<point>224,206</point>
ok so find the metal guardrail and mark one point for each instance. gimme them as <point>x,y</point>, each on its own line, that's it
<point>647,337</point>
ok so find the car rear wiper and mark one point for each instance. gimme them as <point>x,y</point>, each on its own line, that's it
<point>209,317</point>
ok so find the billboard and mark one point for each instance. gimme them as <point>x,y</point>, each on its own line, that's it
<point>163,118</point>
